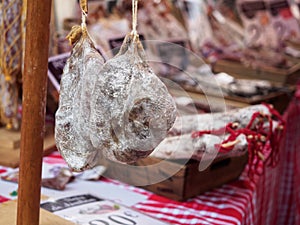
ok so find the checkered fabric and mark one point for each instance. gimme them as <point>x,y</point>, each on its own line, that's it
<point>289,189</point>
<point>243,201</point>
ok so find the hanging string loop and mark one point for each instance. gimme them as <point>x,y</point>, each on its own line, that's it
<point>84,10</point>
<point>84,6</point>
<point>134,18</point>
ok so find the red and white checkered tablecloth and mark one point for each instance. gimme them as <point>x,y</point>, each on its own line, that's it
<point>268,199</point>
<point>288,210</point>
<point>239,202</point>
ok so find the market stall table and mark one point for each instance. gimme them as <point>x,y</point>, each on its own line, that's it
<point>243,201</point>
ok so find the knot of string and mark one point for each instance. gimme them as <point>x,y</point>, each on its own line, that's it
<point>134,18</point>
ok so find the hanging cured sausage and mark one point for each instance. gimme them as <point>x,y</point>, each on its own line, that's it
<point>137,110</point>
<point>76,88</point>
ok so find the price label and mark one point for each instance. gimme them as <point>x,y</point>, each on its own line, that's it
<point>87,209</point>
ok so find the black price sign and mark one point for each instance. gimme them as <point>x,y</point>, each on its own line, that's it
<point>56,65</point>
<point>116,43</point>
<point>173,54</point>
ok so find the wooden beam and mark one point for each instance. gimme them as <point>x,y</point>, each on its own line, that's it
<point>33,111</point>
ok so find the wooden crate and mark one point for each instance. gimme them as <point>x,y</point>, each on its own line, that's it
<point>10,147</point>
<point>278,76</point>
<point>187,182</point>
<point>279,100</point>
<point>9,139</point>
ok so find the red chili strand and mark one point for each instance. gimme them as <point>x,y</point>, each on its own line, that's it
<point>261,135</point>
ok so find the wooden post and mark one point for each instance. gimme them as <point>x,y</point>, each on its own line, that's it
<point>33,114</point>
